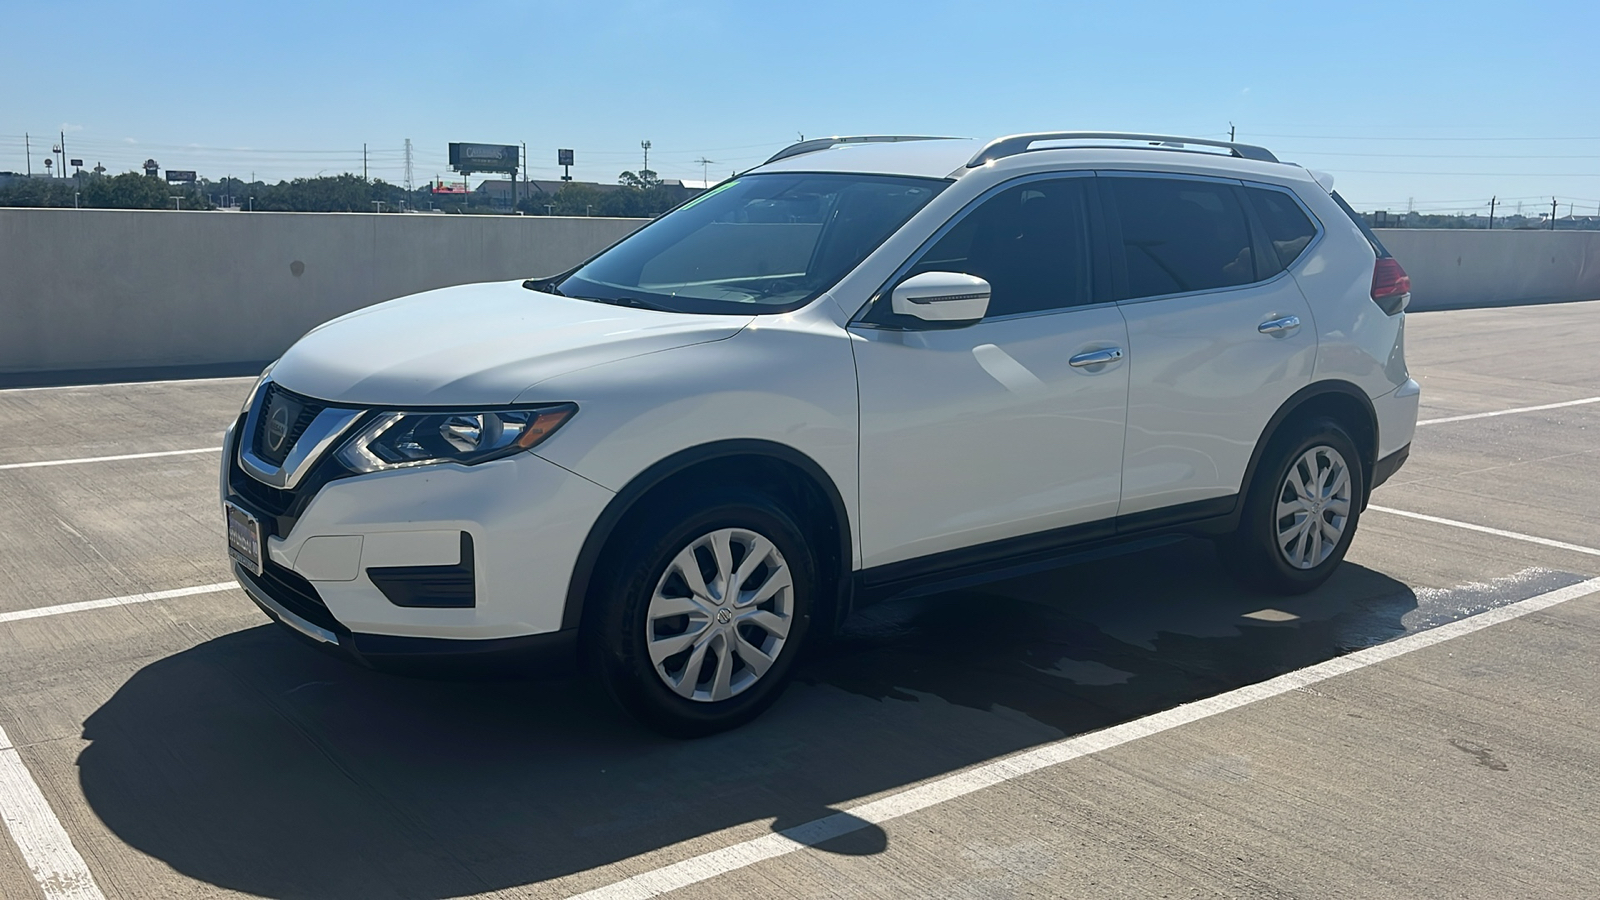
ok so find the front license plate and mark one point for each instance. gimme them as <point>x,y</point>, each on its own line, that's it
<point>244,537</point>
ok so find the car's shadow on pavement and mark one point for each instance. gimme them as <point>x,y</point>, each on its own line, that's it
<point>258,765</point>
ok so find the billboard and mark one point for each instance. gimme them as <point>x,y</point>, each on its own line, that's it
<point>180,176</point>
<point>564,158</point>
<point>469,158</point>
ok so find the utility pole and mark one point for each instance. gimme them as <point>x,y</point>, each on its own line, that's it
<point>1230,132</point>
<point>409,187</point>
<point>364,161</point>
<point>27,148</point>
<point>1491,211</point>
<point>63,169</point>
<point>525,170</point>
<point>1552,214</point>
<point>646,146</point>
<point>704,164</point>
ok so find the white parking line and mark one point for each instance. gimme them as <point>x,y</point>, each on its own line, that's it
<point>1507,412</point>
<point>717,862</point>
<point>1497,532</point>
<point>46,847</point>
<point>94,459</point>
<point>43,611</point>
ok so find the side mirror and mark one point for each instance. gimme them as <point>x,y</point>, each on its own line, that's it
<point>948,297</point>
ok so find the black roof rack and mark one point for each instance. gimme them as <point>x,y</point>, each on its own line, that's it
<point>1000,148</point>
<point>816,144</point>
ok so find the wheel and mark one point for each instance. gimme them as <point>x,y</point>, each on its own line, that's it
<point>1300,510</point>
<point>698,631</point>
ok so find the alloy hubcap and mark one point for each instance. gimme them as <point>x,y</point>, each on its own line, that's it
<point>720,614</point>
<point>1313,507</point>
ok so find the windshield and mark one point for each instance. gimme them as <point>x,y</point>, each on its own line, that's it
<point>757,244</point>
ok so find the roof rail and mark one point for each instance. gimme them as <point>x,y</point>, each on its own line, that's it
<point>824,143</point>
<point>999,148</point>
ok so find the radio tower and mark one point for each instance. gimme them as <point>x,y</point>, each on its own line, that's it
<point>408,165</point>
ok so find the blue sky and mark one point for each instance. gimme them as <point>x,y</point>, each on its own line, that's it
<point>1441,104</point>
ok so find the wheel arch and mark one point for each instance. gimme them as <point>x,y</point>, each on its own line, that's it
<point>800,480</point>
<point>1339,399</point>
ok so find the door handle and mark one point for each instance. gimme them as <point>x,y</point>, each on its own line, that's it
<point>1096,357</point>
<point>1279,326</point>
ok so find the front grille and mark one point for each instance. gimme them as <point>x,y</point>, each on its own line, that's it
<point>278,508</point>
<point>283,419</point>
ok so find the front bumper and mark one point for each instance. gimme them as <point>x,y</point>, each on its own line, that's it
<point>489,551</point>
<point>554,653</point>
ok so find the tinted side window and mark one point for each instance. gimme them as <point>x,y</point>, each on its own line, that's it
<point>1287,226</point>
<point>1180,235</point>
<point>1030,242</point>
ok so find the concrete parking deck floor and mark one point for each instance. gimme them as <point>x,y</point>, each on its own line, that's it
<point>187,748</point>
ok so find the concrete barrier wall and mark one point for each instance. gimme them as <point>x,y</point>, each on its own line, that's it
<point>109,289</point>
<point>1455,269</point>
<point>112,289</point>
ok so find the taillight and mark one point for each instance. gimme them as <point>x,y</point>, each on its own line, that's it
<point>1391,286</point>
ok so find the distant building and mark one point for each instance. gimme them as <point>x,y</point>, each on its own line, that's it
<point>8,177</point>
<point>498,191</point>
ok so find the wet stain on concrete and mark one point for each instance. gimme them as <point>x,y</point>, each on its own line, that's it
<point>1481,754</point>
<point>1092,645</point>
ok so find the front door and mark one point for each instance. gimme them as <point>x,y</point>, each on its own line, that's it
<point>1006,427</point>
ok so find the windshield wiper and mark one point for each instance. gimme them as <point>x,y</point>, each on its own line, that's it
<point>634,302</point>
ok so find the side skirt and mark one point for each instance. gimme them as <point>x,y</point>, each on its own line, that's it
<point>1042,551</point>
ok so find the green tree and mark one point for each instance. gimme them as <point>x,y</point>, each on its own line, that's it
<point>644,179</point>
<point>575,199</point>
<point>132,190</point>
<point>135,190</point>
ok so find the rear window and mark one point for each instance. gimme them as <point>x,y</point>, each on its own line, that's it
<point>1180,235</point>
<point>1377,245</point>
<point>1288,228</point>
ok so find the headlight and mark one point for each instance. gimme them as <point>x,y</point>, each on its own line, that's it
<point>399,439</point>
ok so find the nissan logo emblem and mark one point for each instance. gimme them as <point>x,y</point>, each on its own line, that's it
<point>277,428</point>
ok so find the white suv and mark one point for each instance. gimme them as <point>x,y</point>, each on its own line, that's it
<point>868,367</point>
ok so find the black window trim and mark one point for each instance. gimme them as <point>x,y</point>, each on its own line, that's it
<point>1113,231</point>
<point>1316,222</point>
<point>1100,288</point>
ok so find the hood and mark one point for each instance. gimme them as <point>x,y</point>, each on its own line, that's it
<point>479,344</point>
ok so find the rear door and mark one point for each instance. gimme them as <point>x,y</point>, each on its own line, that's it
<point>1219,337</point>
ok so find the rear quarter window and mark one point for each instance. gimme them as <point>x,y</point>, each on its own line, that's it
<point>1288,228</point>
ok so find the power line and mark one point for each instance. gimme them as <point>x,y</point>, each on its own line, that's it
<point>1516,156</point>
<point>1390,137</point>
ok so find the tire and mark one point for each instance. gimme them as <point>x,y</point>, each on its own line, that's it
<point>1277,549</point>
<point>657,617</point>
